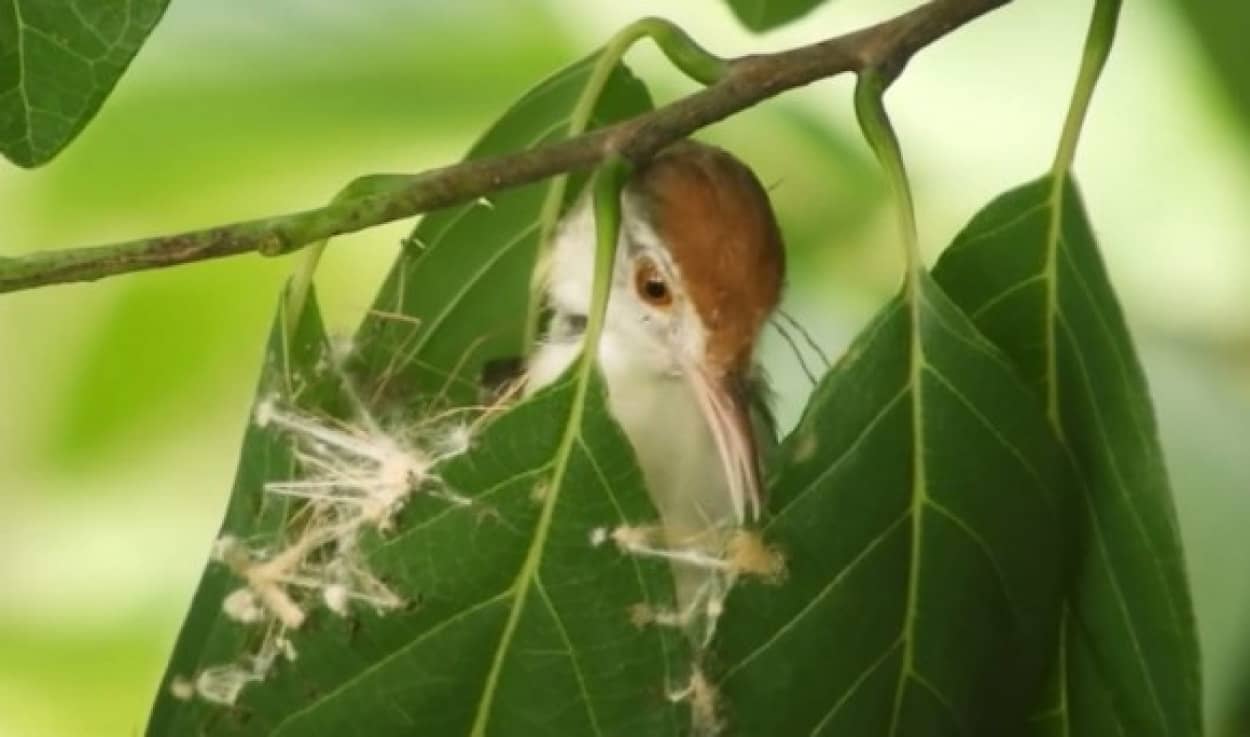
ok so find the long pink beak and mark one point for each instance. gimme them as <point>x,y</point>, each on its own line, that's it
<point>729,418</point>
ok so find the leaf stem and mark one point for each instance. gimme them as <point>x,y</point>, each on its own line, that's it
<point>870,87</point>
<point>608,182</point>
<point>685,54</point>
<point>875,123</point>
<point>1098,42</point>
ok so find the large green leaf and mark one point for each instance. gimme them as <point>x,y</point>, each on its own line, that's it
<point>762,15</point>
<point>921,506</point>
<point>524,627</point>
<point>518,625</point>
<point>1028,271</point>
<point>59,59</point>
<point>508,637</point>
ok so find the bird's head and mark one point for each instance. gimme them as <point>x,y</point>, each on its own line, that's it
<point>699,269</point>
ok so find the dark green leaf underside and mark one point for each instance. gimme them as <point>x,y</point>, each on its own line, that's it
<point>920,508</point>
<point>1042,294</point>
<point>59,59</point>
<point>762,15</point>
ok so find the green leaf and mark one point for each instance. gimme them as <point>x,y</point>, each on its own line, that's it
<point>763,15</point>
<point>920,504</point>
<point>509,637</point>
<point>458,295</point>
<point>59,59</point>
<point>524,627</point>
<point>207,638</point>
<point>1220,30</point>
<point>517,624</point>
<point>1028,271</point>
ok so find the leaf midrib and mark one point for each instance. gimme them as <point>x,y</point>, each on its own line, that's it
<point>916,302</point>
<point>919,495</point>
<point>1050,273</point>
<point>529,568</point>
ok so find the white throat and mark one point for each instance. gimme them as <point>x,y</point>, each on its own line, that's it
<point>647,393</point>
<point>665,425</point>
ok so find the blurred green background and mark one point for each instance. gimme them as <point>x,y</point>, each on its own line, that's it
<point>122,403</point>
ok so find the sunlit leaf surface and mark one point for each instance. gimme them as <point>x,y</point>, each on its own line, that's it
<point>59,59</point>
<point>1028,271</point>
<point>920,505</point>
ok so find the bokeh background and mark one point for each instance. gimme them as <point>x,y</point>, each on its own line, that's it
<point>122,403</point>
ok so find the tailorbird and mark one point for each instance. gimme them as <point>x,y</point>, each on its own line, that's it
<point>699,270</point>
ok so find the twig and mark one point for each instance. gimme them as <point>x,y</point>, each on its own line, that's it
<point>886,47</point>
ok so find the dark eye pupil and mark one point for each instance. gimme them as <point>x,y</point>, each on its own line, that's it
<point>655,289</point>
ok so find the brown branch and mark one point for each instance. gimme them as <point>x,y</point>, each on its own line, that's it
<point>886,47</point>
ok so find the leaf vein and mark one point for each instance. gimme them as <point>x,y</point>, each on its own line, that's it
<point>984,421</point>
<point>1100,537</point>
<point>837,578</point>
<point>572,653</point>
<point>391,656</point>
<point>454,301</point>
<point>633,560</point>
<point>985,549</point>
<point>855,685</point>
<point>851,449</point>
<point>1004,295</point>
<point>1003,226</point>
<point>976,342</point>
<point>485,494</point>
<point>940,697</point>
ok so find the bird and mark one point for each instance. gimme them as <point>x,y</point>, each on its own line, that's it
<point>699,269</point>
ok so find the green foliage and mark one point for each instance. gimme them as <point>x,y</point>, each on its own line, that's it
<point>1028,272</point>
<point>976,521</point>
<point>506,637</point>
<point>207,637</point>
<point>921,505</point>
<point>1220,28</point>
<point>513,617</point>
<point>59,59</point>
<point>764,15</point>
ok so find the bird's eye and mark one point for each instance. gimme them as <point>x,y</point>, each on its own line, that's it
<point>650,284</point>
